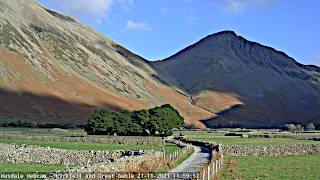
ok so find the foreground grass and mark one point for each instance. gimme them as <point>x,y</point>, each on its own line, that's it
<point>286,167</point>
<point>32,167</point>
<point>228,140</point>
<point>169,148</point>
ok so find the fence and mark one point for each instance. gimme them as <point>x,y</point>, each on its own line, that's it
<point>178,153</point>
<point>208,171</point>
<point>211,170</point>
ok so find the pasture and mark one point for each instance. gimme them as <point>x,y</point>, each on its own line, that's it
<point>285,167</point>
<point>28,167</point>
<point>234,140</point>
<point>168,147</point>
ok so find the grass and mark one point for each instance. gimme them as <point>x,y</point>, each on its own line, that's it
<point>175,163</point>
<point>169,148</point>
<point>228,140</point>
<point>32,167</point>
<point>38,131</point>
<point>284,167</point>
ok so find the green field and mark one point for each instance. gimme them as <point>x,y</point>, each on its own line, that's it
<point>43,131</point>
<point>286,167</point>
<point>169,148</point>
<point>8,167</point>
<point>232,140</point>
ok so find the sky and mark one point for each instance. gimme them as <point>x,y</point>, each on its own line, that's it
<point>156,29</point>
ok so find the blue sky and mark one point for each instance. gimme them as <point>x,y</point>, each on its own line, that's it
<point>156,29</point>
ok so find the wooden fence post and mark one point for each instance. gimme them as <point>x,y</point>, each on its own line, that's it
<point>208,170</point>
<point>212,169</point>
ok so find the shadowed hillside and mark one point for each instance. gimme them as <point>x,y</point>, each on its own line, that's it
<point>245,83</point>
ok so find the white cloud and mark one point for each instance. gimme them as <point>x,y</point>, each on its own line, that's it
<point>137,26</point>
<point>126,4</point>
<point>96,9</point>
<point>240,6</point>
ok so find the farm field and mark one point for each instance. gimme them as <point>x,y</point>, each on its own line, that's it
<point>285,167</point>
<point>169,148</point>
<point>231,140</point>
<point>27,167</point>
<point>43,131</point>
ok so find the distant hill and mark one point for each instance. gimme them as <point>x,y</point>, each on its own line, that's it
<point>55,70</point>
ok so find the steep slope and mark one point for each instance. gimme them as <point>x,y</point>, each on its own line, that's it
<point>245,83</point>
<point>53,69</point>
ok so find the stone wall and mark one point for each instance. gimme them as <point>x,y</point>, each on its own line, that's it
<point>132,140</point>
<point>143,163</point>
<point>10,153</point>
<point>280,150</point>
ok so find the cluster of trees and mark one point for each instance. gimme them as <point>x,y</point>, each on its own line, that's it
<point>158,121</point>
<point>300,128</point>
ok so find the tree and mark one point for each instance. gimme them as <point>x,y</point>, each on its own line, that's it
<point>300,128</point>
<point>156,121</point>
<point>100,122</point>
<point>123,124</point>
<point>310,127</point>
<point>163,119</point>
<point>142,117</point>
<point>291,127</point>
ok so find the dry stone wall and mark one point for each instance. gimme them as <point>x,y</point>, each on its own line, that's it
<point>10,153</point>
<point>132,140</point>
<point>280,150</point>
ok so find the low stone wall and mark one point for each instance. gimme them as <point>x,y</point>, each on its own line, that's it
<point>280,150</point>
<point>132,140</point>
<point>10,153</point>
<point>144,163</point>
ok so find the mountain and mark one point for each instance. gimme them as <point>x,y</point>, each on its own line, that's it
<point>245,83</point>
<point>53,69</point>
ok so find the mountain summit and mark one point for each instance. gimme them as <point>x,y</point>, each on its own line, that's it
<point>55,70</point>
<point>245,83</point>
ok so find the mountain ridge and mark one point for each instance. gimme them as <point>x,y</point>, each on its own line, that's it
<point>54,69</point>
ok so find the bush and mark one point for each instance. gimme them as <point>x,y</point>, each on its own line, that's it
<point>155,121</point>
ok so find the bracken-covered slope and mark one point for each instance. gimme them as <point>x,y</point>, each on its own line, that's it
<point>53,69</point>
<point>244,83</point>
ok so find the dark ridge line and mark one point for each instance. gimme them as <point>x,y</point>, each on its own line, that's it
<point>307,67</point>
